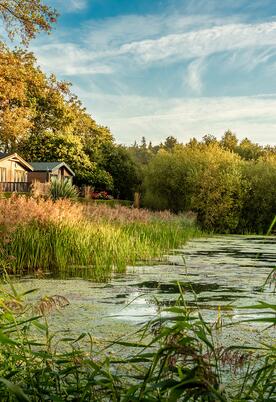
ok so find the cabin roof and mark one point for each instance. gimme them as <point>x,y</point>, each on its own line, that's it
<point>50,166</point>
<point>17,159</point>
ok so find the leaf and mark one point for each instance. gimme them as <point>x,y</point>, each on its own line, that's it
<point>5,340</point>
<point>15,390</point>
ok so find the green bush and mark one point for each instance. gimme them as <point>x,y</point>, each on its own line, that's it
<point>63,189</point>
<point>228,194</point>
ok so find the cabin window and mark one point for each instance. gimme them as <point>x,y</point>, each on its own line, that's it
<point>3,174</point>
<point>20,176</point>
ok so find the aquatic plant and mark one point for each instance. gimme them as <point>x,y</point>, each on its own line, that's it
<point>176,359</point>
<point>42,236</point>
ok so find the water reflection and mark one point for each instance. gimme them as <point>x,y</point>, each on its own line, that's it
<point>222,271</point>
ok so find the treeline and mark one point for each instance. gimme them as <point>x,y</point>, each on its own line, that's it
<point>230,185</point>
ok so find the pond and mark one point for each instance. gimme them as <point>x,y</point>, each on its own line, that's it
<point>216,273</point>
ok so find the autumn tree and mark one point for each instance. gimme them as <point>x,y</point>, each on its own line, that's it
<point>25,18</point>
<point>30,102</point>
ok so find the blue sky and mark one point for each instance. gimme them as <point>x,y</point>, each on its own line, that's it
<point>156,68</point>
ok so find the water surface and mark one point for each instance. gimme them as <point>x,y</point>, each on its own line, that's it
<point>217,273</point>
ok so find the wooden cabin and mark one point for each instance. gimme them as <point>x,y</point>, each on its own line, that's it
<point>44,172</point>
<point>14,173</point>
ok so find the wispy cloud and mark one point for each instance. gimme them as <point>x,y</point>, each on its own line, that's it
<point>193,75</point>
<point>112,60</point>
<point>131,117</point>
<point>71,5</point>
<point>202,43</point>
<point>102,44</point>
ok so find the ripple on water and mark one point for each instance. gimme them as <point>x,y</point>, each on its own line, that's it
<point>218,272</point>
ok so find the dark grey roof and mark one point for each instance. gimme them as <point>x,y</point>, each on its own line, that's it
<point>2,155</point>
<point>50,166</point>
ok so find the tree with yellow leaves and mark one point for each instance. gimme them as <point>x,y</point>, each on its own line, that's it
<point>25,18</point>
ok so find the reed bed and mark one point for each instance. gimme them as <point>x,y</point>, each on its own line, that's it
<point>45,236</point>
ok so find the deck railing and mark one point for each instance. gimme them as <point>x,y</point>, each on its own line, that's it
<point>18,187</point>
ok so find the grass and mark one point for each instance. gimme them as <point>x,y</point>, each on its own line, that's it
<point>110,203</point>
<point>176,359</point>
<point>42,236</point>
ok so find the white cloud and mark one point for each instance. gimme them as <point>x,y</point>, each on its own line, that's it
<point>130,117</point>
<point>71,5</point>
<point>193,76</point>
<point>122,45</point>
<point>202,43</point>
<point>77,4</point>
<point>69,59</point>
<point>123,42</point>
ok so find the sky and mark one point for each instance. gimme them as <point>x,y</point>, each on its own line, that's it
<point>157,68</point>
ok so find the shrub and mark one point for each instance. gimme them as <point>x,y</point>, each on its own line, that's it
<point>63,189</point>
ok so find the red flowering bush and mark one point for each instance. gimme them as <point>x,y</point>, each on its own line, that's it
<point>102,195</point>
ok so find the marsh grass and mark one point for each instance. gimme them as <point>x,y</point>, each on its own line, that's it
<point>176,359</point>
<point>45,236</point>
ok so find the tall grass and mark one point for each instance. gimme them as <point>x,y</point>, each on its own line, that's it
<point>42,236</point>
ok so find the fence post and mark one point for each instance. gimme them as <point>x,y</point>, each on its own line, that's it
<point>137,198</point>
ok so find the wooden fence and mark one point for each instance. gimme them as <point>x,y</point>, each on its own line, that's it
<point>18,187</point>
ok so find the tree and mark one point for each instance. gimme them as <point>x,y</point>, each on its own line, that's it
<point>52,147</point>
<point>144,143</point>
<point>209,139</point>
<point>248,150</point>
<point>206,180</point>
<point>170,181</point>
<point>124,171</point>
<point>30,102</point>
<point>229,141</point>
<point>26,18</point>
<point>259,206</point>
<point>220,190</point>
<point>170,143</point>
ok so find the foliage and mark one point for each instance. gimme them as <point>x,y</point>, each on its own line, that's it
<point>229,185</point>
<point>30,102</point>
<point>62,189</point>
<point>42,120</point>
<point>124,171</point>
<point>167,182</point>
<point>26,18</point>
<point>220,190</point>
<point>102,195</point>
<point>90,239</point>
<point>259,207</point>
<point>207,181</point>
<point>57,146</point>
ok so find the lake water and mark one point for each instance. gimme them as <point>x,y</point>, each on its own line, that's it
<point>216,273</point>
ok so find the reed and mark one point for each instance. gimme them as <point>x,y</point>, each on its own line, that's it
<point>42,236</point>
<point>176,359</point>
